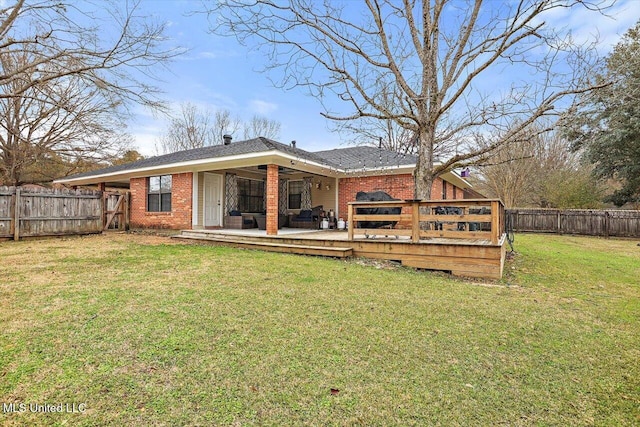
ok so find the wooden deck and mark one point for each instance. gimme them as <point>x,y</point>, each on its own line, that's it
<point>261,241</point>
<point>466,244</point>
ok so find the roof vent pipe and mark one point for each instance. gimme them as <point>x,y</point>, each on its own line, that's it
<point>226,139</point>
<point>293,143</point>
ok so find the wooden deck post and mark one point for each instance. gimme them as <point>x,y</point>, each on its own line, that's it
<point>495,222</point>
<point>351,224</point>
<point>415,222</point>
<point>16,215</point>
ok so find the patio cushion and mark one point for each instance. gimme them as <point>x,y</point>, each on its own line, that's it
<point>235,213</point>
<point>305,213</point>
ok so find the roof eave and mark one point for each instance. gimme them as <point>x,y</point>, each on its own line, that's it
<point>251,159</point>
<point>246,159</point>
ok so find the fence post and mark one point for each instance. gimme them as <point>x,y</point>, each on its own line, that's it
<point>607,222</point>
<point>351,223</point>
<point>16,215</point>
<point>127,210</point>
<point>559,221</point>
<point>105,208</point>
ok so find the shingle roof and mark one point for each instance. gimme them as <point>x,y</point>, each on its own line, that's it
<point>365,157</point>
<point>340,158</point>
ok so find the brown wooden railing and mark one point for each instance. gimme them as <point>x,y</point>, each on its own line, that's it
<point>470,219</point>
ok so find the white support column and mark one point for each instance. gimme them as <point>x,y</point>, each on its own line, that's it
<point>194,201</point>
<point>336,185</point>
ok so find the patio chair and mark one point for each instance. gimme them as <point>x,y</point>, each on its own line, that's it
<point>307,218</point>
<point>239,221</point>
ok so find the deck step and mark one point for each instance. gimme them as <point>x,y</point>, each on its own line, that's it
<point>328,251</point>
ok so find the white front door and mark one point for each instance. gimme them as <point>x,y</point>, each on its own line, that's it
<point>212,200</point>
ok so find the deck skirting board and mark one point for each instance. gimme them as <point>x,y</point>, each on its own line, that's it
<point>483,260</point>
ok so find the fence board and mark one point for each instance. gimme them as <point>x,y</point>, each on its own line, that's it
<point>6,213</point>
<point>30,212</point>
<point>588,222</point>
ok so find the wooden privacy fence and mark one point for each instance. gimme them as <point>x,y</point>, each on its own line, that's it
<point>589,222</point>
<point>32,212</point>
<point>470,219</point>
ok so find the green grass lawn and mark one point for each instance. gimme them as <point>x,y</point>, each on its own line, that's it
<point>144,333</point>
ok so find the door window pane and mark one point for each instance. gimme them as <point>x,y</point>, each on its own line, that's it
<point>295,194</point>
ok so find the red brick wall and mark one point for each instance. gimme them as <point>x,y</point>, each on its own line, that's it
<point>181,204</point>
<point>398,186</point>
<point>272,199</point>
<point>450,191</point>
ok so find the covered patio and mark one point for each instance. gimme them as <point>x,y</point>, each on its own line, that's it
<point>263,197</point>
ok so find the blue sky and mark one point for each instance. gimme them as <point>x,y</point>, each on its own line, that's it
<point>218,73</point>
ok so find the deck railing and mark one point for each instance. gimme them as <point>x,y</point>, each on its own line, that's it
<point>470,219</point>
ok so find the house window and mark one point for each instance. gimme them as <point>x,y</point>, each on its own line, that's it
<point>159,194</point>
<point>444,190</point>
<point>295,194</point>
<point>250,195</point>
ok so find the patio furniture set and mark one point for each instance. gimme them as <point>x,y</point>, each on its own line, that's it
<point>307,219</point>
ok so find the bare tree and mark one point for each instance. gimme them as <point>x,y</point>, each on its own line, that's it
<point>190,128</point>
<point>387,134</point>
<point>382,133</point>
<point>539,171</point>
<point>440,61</point>
<point>195,127</point>
<point>54,128</point>
<point>262,126</point>
<point>68,73</point>
<point>225,124</point>
<point>512,174</point>
<point>112,47</point>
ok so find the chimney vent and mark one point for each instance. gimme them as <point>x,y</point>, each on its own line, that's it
<point>293,143</point>
<point>226,139</point>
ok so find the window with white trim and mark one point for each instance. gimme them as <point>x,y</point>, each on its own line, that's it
<point>159,193</point>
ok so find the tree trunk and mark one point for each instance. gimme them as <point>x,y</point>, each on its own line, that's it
<point>423,174</point>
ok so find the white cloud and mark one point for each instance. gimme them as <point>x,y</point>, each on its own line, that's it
<point>209,55</point>
<point>262,107</point>
<point>588,26</point>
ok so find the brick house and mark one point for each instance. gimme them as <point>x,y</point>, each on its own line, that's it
<point>198,188</point>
